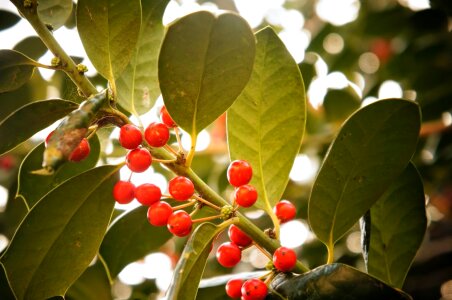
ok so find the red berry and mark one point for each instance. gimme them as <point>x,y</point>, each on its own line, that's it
<point>179,223</point>
<point>233,288</point>
<point>138,160</point>
<point>130,136</point>
<point>166,118</point>
<point>254,289</point>
<point>245,195</point>
<point>284,210</point>
<point>159,212</point>
<point>229,254</point>
<point>123,192</point>
<point>284,259</point>
<point>238,237</point>
<point>81,152</point>
<point>181,188</point>
<point>156,134</point>
<point>48,137</point>
<point>239,173</point>
<point>148,194</point>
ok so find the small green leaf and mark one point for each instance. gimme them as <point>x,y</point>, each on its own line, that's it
<point>15,70</point>
<point>60,236</point>
<point>204,64</point>
<point>340,104</point>
<point>54,12</point>
<point>92,285</point>
<point>267,122</point>
<point>192,262</point>
<point>372,148</point>
<point>130,238</point>
<point>29,119</point>
<point>397,227</point>
<point>138,86</point>
<point>32,186</point>
<point>8,19</point>
<point>333,282</point>
<point>109,32</point>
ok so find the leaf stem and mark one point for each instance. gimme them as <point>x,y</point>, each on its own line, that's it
<point>191,153</point>
<point>179,142</point>
<point>330,247</point>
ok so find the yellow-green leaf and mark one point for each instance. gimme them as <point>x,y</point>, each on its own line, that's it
<point>54,12</point>
<point>15,70</point>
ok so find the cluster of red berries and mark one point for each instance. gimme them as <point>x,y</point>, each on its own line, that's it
<point>79,153</point>
<point>239,175</point>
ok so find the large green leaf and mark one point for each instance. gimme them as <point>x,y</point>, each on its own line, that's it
<point>138,86</point>
<point>93,284</point>
<point>192,262</point>
<point>372,148</point>
<point>32,186</point>
<point>130,238</point>
<point>15,70</point>
<point>334,282</point>
<point>29,119</point>
<point>397,227</point>
<point>267,122</point>
<point>205,62</point>
<point>54,12</point>
<point>60,236</point>
<point>109,32</point>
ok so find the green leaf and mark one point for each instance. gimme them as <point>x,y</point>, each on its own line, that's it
<point>8,19</point>
<point>32,47</point>
<point>54,12</point>
<point>130,238</point>
<point>29,119</point>
<point>334,282</point>
<point>204,64</point>
<point>15,70</point>
<point>397,228</point>
<point>32,186</point>
<point>267,122</point>
<point>92,285</point>
<point>109,32</point>
<point>60,236</point>
<point>372,148</point>
<point>340,104</point>
<point>192,262</point>
<point>138,86</point>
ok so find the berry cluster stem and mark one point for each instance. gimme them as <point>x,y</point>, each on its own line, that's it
<point>204,201</point>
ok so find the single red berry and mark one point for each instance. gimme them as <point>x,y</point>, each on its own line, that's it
<point>245,195</point>
<point>138,160</point>
<point>123,192</point>
<point>181,188</point>
<point>284,259</point>
<point>148,194</point>
<point>239,173</point>
<point>238,237</point>
<point>159,212</point>
<point>166,118</point>
<point>233,288</point>
<point>254,289</point>
<point>130,136</point>
<point>228,254</point>
<point>179,223</point>
<point>81,152</point>
<point>285,211</point>
<point>156,134</point>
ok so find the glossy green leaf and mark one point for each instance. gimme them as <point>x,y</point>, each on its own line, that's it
<point>138,86</point>
<point>370,151</point>
<point>334,282</point>
<point>60,236</point>
<point>33,186</point>
<point>397,227</point>
<point>204,64</point>
<point>32,47</point>
<point>267,122</point>
<point>8,19</point>
<point>130,238</point>
<point>340,104</point>
<point>29,119</point>
<point>5,291</point>
<point>192,262</point>
<point>54,12</point>
<point>109,32</point>
<point>92,285</point>
<point>15,70</point>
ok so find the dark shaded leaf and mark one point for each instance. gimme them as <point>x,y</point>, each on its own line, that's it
<point>32,47</point>
<point>130,238</point>
<point>63,233</point>
<point>29,119</point>
<point>15,70</point>
<point>92,285</point>
<point>340,104</point>
<point>8,19</point>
